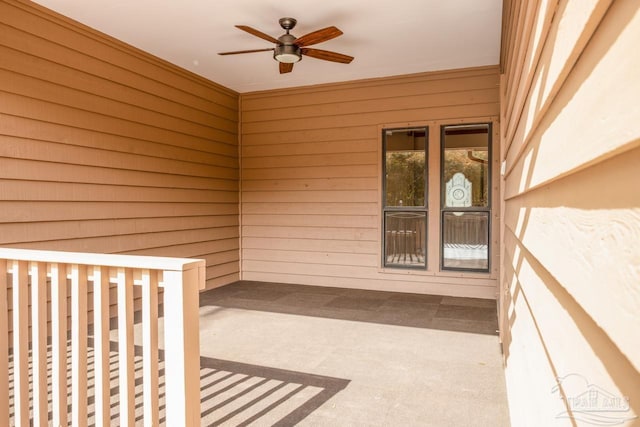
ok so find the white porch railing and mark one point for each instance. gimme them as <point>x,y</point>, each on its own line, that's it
<point>48,272</point>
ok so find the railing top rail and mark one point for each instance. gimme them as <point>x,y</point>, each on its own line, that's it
<point>107,260</point>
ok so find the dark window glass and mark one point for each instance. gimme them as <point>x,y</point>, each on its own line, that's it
<point>405,197</point>
<point>405,158</point>
<point>405,238</point>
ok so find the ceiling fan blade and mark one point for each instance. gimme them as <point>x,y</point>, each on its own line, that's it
<point>235,52</point>
<point>286,67</point>
<point>257,33</point>
<point>327,55</point>
<point>318,36</point>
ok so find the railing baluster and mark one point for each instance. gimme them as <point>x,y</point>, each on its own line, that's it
<point>181,278</point>
<point>59,343</point>
<point>125,347</point>
<point>150,346</point>
<point>20,343</point>
<point>39,342</point>
<point>79,345</point>
<point>182,372</point>
<point>4,346</point>
<point>101,344</point>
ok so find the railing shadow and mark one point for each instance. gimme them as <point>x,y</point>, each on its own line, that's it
<point>231,393</point>
<point>262,392</point>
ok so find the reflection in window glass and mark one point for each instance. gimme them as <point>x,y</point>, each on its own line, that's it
<point>405,167</point>
<point>405,197</point>
<point>405,239</point>
<point>465,166</point>
<point>465,196</point>
<point>465,238</point>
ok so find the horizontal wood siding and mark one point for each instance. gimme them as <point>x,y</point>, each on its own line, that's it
<point>571,151</point>
<point>104,148</point>
<point>311,177</point>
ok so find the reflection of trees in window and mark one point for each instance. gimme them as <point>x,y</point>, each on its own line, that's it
<point>405,178</point>
<point>473,164</point>
<point>404,202</point>
<point>465,228</point>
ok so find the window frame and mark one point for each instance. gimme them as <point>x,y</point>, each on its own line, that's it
<point>487,210</point>
<point>400,209</point>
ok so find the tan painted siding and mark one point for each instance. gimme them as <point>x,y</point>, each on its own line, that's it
<point>311,177</point>
<point>571,147</point>
<point>104,148</point>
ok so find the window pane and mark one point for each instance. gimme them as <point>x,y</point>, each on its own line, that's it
<point>405,167</point>
<point>405,239</point>
<point>465,237</point>
<point>465,167</point>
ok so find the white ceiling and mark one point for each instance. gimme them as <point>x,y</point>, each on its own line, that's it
<point>386,37</point>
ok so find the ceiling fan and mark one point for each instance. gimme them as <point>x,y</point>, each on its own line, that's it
<point>289,49</point>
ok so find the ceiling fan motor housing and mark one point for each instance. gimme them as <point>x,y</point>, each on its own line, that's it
<point>286,51</point>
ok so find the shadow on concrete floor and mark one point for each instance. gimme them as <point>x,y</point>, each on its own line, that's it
<point>300,392</point>
<point>470,315</point>
<point>231,393</point>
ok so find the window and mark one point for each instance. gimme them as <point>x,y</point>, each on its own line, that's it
<point>465,197</point>
<point>405,197</point>
<point>460,185</point>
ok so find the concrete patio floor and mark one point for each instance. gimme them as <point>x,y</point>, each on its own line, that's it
<point>280,354</point>
<point>285,355</point>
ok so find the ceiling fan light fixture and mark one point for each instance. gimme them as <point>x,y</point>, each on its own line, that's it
<point>287,53</point>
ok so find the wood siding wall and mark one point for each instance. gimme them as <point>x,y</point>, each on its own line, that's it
<point>311,177</point>
<point>571,147</point>
<point>104,148</point>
